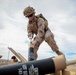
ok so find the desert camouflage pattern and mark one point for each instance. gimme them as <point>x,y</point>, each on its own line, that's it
<point>40,28</point>
<point>28,11</point>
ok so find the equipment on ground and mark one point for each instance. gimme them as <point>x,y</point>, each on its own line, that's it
<point>37,67</point>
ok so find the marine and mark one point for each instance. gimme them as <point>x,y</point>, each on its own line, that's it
<point>38,25</point>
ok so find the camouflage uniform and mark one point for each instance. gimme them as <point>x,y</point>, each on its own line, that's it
<point>39,27</point>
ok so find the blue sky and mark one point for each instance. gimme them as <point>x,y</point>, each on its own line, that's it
<point>61,16</point>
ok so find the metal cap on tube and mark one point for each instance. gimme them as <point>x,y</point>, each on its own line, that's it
<point>59,62</point>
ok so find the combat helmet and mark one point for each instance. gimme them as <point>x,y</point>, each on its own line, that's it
<point>28,11</point>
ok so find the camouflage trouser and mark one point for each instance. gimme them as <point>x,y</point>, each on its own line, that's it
<point>49,38</point>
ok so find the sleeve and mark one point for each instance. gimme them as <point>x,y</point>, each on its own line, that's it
<point>41,27</point>
<point>29,31</point>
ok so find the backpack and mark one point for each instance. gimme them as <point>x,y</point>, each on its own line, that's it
<point>41,16</point>
<point>46,22</point>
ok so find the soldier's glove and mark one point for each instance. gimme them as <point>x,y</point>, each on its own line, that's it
<point>30,36</point>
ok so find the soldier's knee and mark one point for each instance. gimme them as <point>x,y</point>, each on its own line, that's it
<point>37,45</point>
<point>35,56</point>
<point>47,37</point>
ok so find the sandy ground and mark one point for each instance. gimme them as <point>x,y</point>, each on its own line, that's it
<point>4,62</point>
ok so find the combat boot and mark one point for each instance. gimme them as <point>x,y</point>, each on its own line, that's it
<point>59,53</point>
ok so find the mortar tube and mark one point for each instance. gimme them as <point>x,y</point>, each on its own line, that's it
<point>36,67</point>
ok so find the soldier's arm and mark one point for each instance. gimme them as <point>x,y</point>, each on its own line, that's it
<point>30,34</point>
<point>41,31</point>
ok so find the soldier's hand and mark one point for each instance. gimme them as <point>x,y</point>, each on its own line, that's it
<point>30,36</point>
<point>33,43</point>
